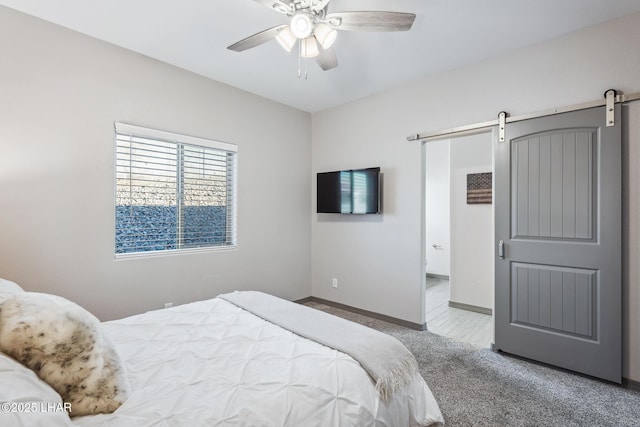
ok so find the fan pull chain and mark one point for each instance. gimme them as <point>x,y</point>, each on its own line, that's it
<point>299,58</point>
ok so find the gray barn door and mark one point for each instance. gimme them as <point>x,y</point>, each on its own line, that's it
<point>558,212</point>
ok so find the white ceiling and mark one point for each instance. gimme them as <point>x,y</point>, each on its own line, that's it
<point>447,34</point>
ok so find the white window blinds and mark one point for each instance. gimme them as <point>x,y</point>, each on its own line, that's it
<point>173,192</point>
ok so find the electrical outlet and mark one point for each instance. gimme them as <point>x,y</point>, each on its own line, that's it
<point>168,304</point>
<point>334,283</point>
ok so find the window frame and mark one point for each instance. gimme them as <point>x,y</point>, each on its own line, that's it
<point>171,137</point>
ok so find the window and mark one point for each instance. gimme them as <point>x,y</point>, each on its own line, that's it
<point>173,192</point>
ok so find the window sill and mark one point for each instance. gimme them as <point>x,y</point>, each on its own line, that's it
<point>172,252</point>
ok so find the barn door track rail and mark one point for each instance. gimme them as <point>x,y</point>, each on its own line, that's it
<point>611,97</point>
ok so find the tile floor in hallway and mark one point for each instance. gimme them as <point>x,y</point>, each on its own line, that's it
<point>462,325</point>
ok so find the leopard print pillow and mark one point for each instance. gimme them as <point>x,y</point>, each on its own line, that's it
<point>67,348</point>
<point>8,289</point>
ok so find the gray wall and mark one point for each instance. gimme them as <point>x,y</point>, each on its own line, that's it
<point>380,260</point>
<point>61,92</point>
<point>631,243</point>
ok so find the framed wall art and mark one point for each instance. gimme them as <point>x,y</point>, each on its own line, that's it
<point>479,188</point>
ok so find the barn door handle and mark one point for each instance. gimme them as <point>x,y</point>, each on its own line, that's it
<point>501,249</point>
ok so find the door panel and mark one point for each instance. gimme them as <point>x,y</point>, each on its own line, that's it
<point>553,174</point>
<point>553,298</point>
<point>558,210</point>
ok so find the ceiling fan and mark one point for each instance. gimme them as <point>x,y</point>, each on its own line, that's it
<point>315,28</point>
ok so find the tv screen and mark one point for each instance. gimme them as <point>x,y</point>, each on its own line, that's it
<point>349,191</point>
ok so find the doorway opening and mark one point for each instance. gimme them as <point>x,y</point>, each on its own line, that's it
<point>459,238</point>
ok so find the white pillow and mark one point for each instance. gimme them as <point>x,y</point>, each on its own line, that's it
<point>8,289</point>
<point>27,400</point>
<point>66,347</point>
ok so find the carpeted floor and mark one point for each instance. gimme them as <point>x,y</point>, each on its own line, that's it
<point>477,387</point>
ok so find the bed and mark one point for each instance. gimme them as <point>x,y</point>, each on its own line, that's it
<point>213,363</point>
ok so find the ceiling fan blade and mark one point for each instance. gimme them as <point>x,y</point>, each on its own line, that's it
<point>327,59</point>
<point>371,21</point>
<point>257,39</point>
<point>282,6</point>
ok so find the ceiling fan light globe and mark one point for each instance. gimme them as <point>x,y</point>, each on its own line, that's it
<point>301,25</point>
<point>286,39</point>
<point>309,47</point>
<point>325,35</point>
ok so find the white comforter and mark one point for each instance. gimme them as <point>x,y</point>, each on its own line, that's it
<point>211,363</point>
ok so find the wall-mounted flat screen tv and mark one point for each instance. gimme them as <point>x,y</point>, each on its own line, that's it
<point>349,191</point>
